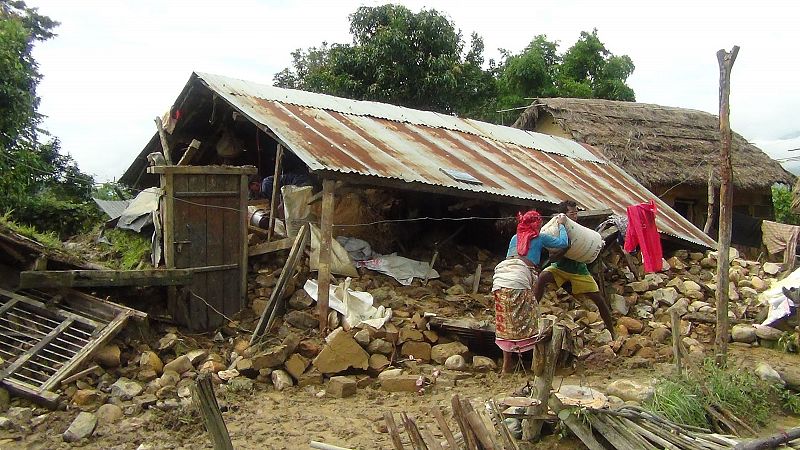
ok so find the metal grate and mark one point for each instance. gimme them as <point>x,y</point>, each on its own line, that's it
<point>44,337</point>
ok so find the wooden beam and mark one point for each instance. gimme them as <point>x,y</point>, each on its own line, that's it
<point>190,153</point>
<point>547,353</point>
<point>162,135</point>
<point>726,61</point>
<point>594,213</point>
<point>324,275</point>
<point>269,247</point>
<point>204,170</point>
<point>276,185</point>
<point>206,402</point>
<point>105,278</point>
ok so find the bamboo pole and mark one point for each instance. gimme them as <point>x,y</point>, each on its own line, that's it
<point>726,61</point>
<point>276,186</point>
<point>326,228</point>
<point>162,135</point>
<point>206,402</point>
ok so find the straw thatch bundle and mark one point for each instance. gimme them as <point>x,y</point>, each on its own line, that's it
<point>657,145</point>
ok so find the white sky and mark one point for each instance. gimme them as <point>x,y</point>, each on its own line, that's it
<point>115,65</point>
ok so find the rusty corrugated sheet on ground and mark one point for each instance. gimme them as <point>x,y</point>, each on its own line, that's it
<point>386,141</point>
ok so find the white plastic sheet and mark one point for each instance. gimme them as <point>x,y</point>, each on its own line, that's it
<point>778,303</point>
<point>355,306</point>
<point>402,269</point>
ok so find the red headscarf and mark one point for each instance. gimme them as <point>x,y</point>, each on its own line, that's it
<point>528,226</point>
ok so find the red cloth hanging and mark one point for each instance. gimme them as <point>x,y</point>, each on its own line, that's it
<point>642,232</point>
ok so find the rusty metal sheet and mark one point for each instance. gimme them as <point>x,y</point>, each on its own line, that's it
<point>367,138</point>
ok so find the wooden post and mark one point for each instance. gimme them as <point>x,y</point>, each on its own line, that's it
<point>326,228</point>
<point>162,135</point>
<point>726,61</point>
<point>711,201</point>
<point>276,183</point>
<point>205,400</point>
<point>676,339</point>
<point>543,383</point>
<point>476,281</point>
<point>191,151</point>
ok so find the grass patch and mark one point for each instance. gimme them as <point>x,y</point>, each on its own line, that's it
<point>683,399</point>
<point>49,240</point>
<point>133,248</point>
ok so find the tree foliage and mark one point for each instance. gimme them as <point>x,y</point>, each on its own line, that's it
<point>420,60</point>
<point>40,186</point>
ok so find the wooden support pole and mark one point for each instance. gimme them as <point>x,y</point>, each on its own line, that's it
<point>276,185</point>
<point>190,153</point>
<point>476,280</point>
<point>205,400</point>
<point>676,339</point>
<point>162,135</point>
<point>324,275</point>
<point>430,267</point>
<point>543,383</point>
<point>726,61</point>
<point>391,425</point>
<point>770,441</point>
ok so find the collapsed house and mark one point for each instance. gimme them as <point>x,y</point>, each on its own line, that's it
<point>422,165</point>
<point>670,151</point>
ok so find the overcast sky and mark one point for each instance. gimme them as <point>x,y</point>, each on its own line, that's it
<point>115,65</point>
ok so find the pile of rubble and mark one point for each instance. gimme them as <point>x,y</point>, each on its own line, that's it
<point>405,355</point>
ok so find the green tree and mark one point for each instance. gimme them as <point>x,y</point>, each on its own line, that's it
<point>40,186</point>
<point>397,56</point>
<point>589,70</point>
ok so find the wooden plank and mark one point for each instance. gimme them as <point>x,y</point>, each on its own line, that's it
<point>276,183</point>
<point>269,247</point>
<point>197,235</point>
<point>576,425</point>
<point>106,309</point>
<point>270,312</point>
<point>429,439</point>
<point>46,398</point>
<point>105,278</point>
<point>202,170</point>
<point>413,432</point>
<point>206,402</point>
<point>241,248</point>
<point>23,358</point>
<point>78,359</point>
<point>437,414</point>
<point>59,314</point>
<point>610,434</point>
<point>232,248</point>
<point>214,252</point>
<point>324,270</point>
<point>168,219</point>
<point>81,374</point>
<point>391,426</point>
<point>190,153</point>
<point>162,135</point>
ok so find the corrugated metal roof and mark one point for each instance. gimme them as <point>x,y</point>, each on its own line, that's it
<point>368,138</point>
<point>113,208</point>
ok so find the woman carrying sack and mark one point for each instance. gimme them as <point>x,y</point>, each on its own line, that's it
<point>516,309</point>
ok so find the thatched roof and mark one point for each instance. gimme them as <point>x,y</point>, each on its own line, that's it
<point>657,145</point>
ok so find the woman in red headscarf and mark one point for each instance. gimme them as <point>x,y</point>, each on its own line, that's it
<point>516,310</point>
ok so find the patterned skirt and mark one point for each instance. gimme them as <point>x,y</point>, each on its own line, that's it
<point>516,317</point>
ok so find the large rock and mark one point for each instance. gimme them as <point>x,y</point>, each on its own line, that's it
<point>768,374</point>
<point>81,427</point>
<point>378,362</point>
<point>410,334</point>
<point>108,414</point>
<point>619,304</point>
<point>341,387</point>
<point>633,325</point>
<point>483,364</point>
<point>296,365</point>
<point>108,356</point>
<point>151,361</point>
<point>791,375</point>
<point>455,362</point>
<point>126,389</point>
<point>400,383</point>
<point>301,319</point>
<point>197,356</point>
<point>771,268</point>
<point>300,300</point>
<point>180,365</point>
<point>340,354</point>
<point>419,350</point>
<point>743,333</point>
<point>381,346</point>
<point>758,284</point>
<point>768,333</point>
<point>273,357</point>
<point>440,353</point>
<point>666,296</point>
<point>630,390</point>
<point>281,380</point>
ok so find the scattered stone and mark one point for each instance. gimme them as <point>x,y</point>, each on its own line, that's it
<point>81,427</point>
<point>21,416</point>
<point>169,378</point>
<point>419,350</point>
<point>440,353</point>
<point>604,337</point>
<point>126,389</point>
<point>273,357</point>
<point>240,384</point>
<point>181,364</point>
<point>483,364</point>
<point>5,399</point>
<point>758,284</point>
<point>310,378</point>
<point>456,290</point>
<point>660,335</point>
<point>362,337</point>
<point>743,333</point>
<point>771,268</point>
<point>87,398</point>
<point>666,296</point>
<point>381,346</point>
<point>400,383</point>
<point>340,354</point>
<point>212,366</point>
<point>341,387</point>
<point>300,300</point>
<point>259,305</point>
<point>455,362</point>
<point>108,356</point>
<point>226,375</point>
<point>768,374</point>
<point>301,319</point>
<point>410,334</point>
<point>378,362</point>
<point>640,286</point>
<point>196,356</point>
<point>296,365</point>
<point>633,325</point>
<point>108,414</point>
<point>791,375</point>
<point>282,380</point>
<point>390,373</point>
<point>619,304</point>
<point>676,264</point>
<point>629,390</point>
<point>151,361</point>
<point>768,333</point>
<point>431,336</point>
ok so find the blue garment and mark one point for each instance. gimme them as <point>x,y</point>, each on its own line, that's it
<point>543,240</point>
<point>296,179</point>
